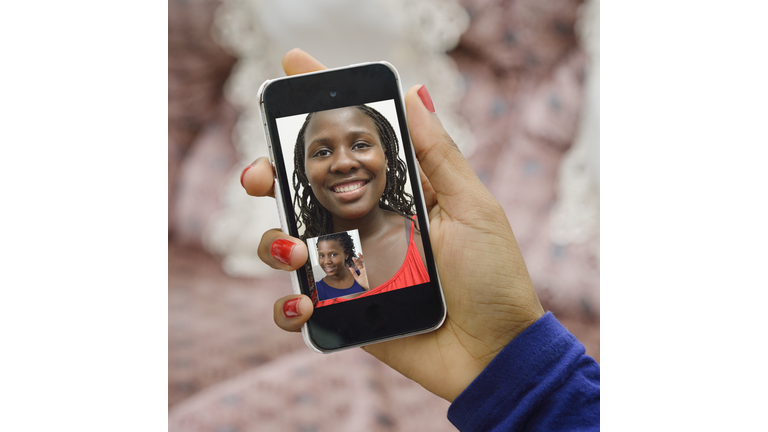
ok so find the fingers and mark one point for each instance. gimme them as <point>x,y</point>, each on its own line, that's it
<point>447,170</point>
<point>291,312</point>
<point>361,278</point>
<point>258,179</point>
<point>281,251</point>
<point>298,62</point>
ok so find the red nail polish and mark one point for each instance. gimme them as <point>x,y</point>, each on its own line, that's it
<point>281,249</point>
<point>243,174</point>
<point>291,308</point>
<point>426,99</point>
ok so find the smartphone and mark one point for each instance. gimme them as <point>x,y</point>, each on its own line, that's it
<point>347,184</point>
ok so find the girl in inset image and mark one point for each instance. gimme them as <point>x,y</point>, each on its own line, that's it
<point>348,176</point>
<point>344,269</point>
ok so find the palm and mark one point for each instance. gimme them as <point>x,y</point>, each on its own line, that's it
<point>474,285</point>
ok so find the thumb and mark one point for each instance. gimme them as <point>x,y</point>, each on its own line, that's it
<point>452,179</point>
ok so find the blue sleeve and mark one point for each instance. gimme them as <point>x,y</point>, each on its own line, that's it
<point>541,381</point>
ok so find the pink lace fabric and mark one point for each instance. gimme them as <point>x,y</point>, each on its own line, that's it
<point>306,391</point>
<point>230,368</point>
<point>524,74</point>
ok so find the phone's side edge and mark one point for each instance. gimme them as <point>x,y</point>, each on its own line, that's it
<point>270,151</point>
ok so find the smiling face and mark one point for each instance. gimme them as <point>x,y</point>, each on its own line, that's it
<point>345,162</point>
<point>331,257</point>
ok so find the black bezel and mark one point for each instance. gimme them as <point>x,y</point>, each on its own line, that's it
<point>381,316</point>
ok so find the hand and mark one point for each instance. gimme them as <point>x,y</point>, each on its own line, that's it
<point>488,292</point>
<point>362,278</point>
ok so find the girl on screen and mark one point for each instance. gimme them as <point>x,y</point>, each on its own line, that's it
<point>348,176</point>
<point>344,270</point>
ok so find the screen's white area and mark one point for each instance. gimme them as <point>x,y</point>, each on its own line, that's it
<point>288,129</point>
<point>312,249</point>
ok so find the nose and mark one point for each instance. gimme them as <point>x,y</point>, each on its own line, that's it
<point>344,161</point>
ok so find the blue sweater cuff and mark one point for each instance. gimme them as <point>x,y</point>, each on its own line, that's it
<point>540,381</point>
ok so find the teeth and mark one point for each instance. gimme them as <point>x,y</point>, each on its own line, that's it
<point>349,188</point>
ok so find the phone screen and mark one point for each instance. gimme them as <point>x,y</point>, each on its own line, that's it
<point>345,169</point>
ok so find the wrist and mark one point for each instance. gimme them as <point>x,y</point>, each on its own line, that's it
<point>479,355</point>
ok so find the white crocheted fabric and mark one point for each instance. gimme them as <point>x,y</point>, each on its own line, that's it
<point>576,216</point>
<point>413,35</point>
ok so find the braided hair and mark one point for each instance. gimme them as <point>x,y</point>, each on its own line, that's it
<point>314,216</point>
<point>345,240</point>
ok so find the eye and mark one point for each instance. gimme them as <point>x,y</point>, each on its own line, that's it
<point>321,152</point>
<point>360,145</point>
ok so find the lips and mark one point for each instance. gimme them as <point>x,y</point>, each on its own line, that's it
<point>348,187</point>
<point>329,269</point>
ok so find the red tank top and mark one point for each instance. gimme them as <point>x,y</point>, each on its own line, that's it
<point>411,273</point>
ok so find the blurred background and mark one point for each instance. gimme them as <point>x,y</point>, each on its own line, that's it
<point>517,85</point>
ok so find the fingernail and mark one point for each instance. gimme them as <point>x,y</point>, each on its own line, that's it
<point>291,308</point>
<point>426,99</point>
<point>243,174</point>
<point>281,249</point>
